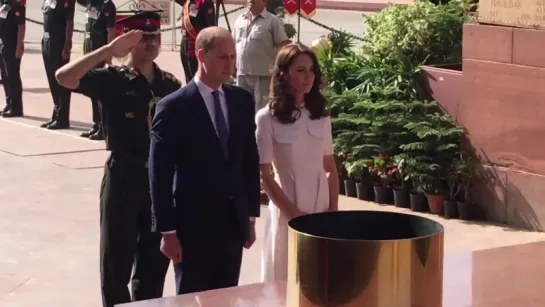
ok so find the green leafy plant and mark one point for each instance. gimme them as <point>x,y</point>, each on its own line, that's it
<point>466,169</point>
<point>383,169</point>
<point>420,33</point>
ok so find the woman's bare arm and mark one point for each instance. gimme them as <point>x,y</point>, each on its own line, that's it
<point>276,194</point>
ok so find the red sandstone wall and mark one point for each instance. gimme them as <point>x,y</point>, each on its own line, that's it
<point>503,108</point>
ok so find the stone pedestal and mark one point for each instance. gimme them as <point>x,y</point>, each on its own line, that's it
<point>503,109</point>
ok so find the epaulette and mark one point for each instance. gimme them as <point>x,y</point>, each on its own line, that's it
<point>171,77</point>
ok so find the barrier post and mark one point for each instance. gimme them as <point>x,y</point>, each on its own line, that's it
<point>173,24</point>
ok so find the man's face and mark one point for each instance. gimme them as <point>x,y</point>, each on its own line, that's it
<point>256,4</point>
<point>219,62</point>
<point>148,48</point>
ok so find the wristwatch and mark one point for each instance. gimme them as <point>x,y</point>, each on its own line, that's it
<point>252,219</point>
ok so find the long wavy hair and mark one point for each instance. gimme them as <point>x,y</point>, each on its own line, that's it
<point>281,102</point>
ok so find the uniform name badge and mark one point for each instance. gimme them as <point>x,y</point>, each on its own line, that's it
<point>193,11</point>
<point>93,13</point>
<point>4,9</point>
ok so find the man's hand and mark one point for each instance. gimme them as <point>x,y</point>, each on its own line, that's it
<point>170,247</point>
<point>122,45</point>
<point>251,236</point>
<point>19,52</point>
<point>66,53</point>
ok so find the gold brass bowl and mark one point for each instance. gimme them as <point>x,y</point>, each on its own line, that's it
<point>365,259</point>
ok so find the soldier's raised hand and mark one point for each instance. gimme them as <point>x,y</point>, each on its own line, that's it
<point>122,45</point>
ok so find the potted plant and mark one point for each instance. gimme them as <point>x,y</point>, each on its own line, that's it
<point>340,158</point>
<point>450,204</point>
<point>360,174</point>
<point>350,181</point>
<point>412,172</point>
<point>430,185</point>
<point>467,166</point>
<point>381,170</point>
<point>401,193</point>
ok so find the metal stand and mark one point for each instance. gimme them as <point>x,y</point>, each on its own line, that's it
<point>298,21</point>
<point>218,3</point>
<point>173,24</point>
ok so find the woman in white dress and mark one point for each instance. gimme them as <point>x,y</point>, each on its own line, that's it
<point>294,137</point>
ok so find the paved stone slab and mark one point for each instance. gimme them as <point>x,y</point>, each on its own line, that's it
<point>80,161</point>
<point>22,140</point>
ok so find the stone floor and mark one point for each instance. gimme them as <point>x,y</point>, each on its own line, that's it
<point>49,207</point>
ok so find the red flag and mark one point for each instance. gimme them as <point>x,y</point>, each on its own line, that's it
<point>308,8</point>
<point>291,6</point>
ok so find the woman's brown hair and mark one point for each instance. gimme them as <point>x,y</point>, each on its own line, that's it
<point>281,102</point>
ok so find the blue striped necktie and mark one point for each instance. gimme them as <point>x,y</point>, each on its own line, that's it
<point>221,125</point>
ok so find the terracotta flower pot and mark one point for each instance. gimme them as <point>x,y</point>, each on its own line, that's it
<point>436,203</point>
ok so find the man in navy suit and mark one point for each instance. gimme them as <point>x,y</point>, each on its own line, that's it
<point>204,171</point>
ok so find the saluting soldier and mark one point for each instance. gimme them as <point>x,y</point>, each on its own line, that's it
<point>196,15</point>
<point>128,95</point>
<point>100,30</point>
<point>56,48</point>
<point>12,37</point>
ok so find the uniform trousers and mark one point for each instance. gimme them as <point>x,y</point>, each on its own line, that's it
<point>10,70</point>
<point>258,86</point>
<point>126,241</point>
<point>189,63</point>
<point>52,55</point>
<point>91,44</point>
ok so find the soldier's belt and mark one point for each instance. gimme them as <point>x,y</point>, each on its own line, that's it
<point>122,157</point>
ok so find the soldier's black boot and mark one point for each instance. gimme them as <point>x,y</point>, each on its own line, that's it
<point>97,136</point>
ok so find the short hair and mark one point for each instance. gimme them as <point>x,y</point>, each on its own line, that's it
<point>206,38</point>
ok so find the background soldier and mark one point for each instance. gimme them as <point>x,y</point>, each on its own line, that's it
<point>196,15</point>
<point>128,95</point>
<point>100,30</point>
<point>12,37</point>
<point>56,48</point>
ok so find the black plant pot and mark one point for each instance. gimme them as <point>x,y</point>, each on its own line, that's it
<point>401,198</point>
<point>450,208</point>
<point>464,210</point>
<point>363,191</point>
<point>350,188</point>
<point>418,202</point>
<point>381,194</point>
<point>341,188</point>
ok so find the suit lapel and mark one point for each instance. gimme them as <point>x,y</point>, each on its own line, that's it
<point>202,116</point>
<point>232,116</point>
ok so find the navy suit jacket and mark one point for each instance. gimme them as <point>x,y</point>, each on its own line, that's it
<point>189,176</point>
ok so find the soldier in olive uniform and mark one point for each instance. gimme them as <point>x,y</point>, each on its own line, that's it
<point>128,95</point>
<point>196,15</point>
<point>100,30</point>
<point>56,48</point>
<point>12,37</point>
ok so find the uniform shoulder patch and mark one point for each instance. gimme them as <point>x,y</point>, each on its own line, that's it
<point>171,77</point>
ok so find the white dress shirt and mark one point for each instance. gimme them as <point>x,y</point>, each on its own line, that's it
<point>206,93</point>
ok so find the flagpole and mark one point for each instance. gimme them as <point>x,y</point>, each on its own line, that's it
<point>298,21</point>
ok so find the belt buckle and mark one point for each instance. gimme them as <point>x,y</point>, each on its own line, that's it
<point>46,34</point>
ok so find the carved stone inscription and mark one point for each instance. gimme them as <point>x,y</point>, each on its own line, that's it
<point>521,13</point>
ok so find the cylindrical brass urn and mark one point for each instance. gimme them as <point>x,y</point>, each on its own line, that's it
<point>364,259</point>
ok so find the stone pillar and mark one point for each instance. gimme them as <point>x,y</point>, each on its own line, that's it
<point>503,109</point>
